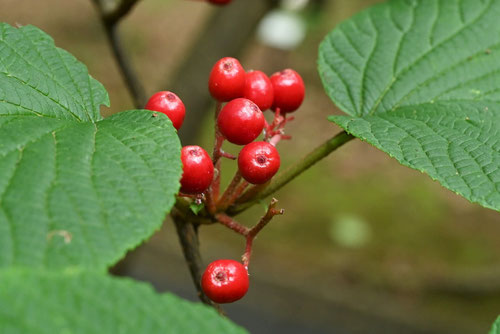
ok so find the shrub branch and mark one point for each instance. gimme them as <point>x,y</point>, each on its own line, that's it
<point>111,12</point>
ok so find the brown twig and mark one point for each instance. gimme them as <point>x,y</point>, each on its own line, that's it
<point>216,155</point>
<point>251,193</point>
<point>232,224</point>
<point>188,237</point>
<point>228,193</point>
<point>237,193</point>
<point>252,233</point>
<point>111,13</point>
<point>275,132</point>
<point>209,200</point>
<point>119,10</point>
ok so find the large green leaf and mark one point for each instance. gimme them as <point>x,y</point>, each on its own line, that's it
<point>74,189</point>
<point>495,329</point>
<point>420,80</point>
<point>77,302</point>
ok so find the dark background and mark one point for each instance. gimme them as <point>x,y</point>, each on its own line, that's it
<point>365,246</point>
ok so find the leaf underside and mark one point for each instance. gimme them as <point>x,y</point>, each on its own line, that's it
<point>420,80</point>
<point>74,189</point>
<point>77,302</point>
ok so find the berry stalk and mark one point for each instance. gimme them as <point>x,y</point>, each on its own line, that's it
<point>224,201</point>
<point>237,193</point>
<point>188,237</point>
<point>252,233</point>
<point>232,224</point>
<point>213,192</point>
<point>292,172</point>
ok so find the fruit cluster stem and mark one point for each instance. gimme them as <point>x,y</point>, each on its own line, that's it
<point>188,237</point>
<point>252,233</point>
<point>209,201</point>
<point>290,173</point>
<point>216,155</point>
<point>117,11</point>
<point>237,193</point>
<point>224,201</point>
<point>232,224</point>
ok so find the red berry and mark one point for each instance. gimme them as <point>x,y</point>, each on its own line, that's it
<point>219,2</point>
<point>240,121</point>
<point>258,162</point>
<point>289,90</point>
<point>227,80</point>
<point>169,104</point>
<point>198,170</point>
<point>225,281</point>
<point>259,89</point>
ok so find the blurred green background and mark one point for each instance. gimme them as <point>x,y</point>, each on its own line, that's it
<point>365,245</point>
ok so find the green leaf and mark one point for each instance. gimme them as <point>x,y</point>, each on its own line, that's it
<point>74,189</point>
<point>36,78</point>
<point>421,81</point>
<point>78,302</point>
<point>495,329</point>
<point>196,208</point>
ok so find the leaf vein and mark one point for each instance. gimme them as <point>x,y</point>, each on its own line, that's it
<point>368,60</point>
<point>53,78</point>
<point>425,54</point>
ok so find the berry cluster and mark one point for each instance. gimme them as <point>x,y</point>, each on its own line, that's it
<point>241,97</point>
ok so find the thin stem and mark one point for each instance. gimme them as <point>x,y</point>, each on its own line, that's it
<point>231,188</point>
<point>251,193</point>
<point>248,252</point>
<point>216,155</point>
<point>232,224</point>
<point>209,201</point>
<point>252,233</point>
<point>215,188</point>
<point>277,138</point>
<point>275,132</point>
<point>271,212</point>
<point>293,171</point>
<point>188,237</point>
<point>129,76</point>
<point>111,13</point>
<point>270,132</point>
<point>237,193</point>
<point>121,9</point>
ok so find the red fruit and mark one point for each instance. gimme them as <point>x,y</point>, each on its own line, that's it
<point>289,90</point>
<point>258,162</point>
<point>259,89</point>
<point>240,121</point>
<point>198,170</point>
<point>219,2</point>
<point>227,79</point>
<point>169,104</point>
<point>225,281</point>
